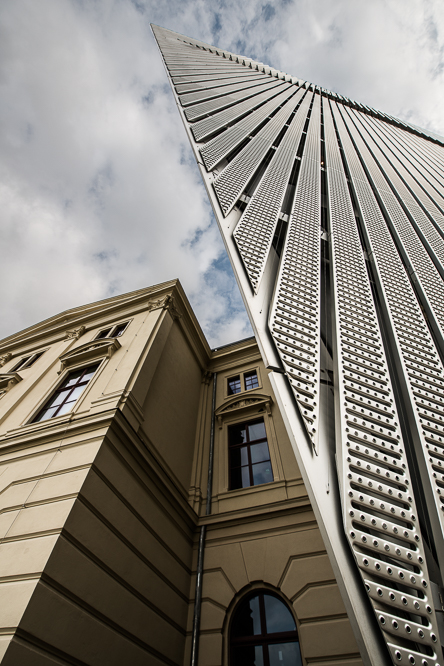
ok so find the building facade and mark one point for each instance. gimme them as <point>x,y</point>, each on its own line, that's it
<point>332,216</point>
<point>112,417</point>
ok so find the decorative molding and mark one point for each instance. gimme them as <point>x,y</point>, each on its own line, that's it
<point>8,380</point>
<point>90,351</point>
<point>165,303</point>
<point>75,334</point>
<point>5,358</point>
<point>241,402</point>
<point>206,377</point>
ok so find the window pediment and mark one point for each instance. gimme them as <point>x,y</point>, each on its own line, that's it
<point>90,351</point>
<point>239,403</point>
<point>8,380</point>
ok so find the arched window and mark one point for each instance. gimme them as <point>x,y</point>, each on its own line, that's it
<point>263,633</point>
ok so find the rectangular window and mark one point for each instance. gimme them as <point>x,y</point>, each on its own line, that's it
<point>234,385</point>
<point>113,332</point>
<point>27,361</point>
<point>251,380</point>
<point>250,463</point>
<point>64,398</point>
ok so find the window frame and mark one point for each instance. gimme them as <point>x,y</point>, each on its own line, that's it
<point>31,420</point>
<point>234,378</point>
<point>247,445</point>
<point>264,639</point>
<point>27,361</point>
<point>242,374</point>
<point>112,330</point>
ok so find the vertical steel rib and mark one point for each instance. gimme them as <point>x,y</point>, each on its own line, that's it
<point>254,231</point>
<point>378,504</point>
<point>295,314</point>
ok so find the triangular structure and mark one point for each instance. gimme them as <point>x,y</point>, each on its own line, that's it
<point>332,214</point>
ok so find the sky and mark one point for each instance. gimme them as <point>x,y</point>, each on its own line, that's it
<point>99,190</point>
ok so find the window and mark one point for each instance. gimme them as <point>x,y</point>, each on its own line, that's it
<point>64,398</point>
<point>248,380</point>
<point>249,455</point>
<point>251,380</point>
<point>27,361</point>
<point>263,633</point>
<point>234,385</point>
<point>113,332</point>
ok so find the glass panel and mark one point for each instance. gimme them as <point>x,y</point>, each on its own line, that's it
<point>256,431</point>
<point>247,655</point>
<point>73,377</point>
<point>245,477</point>
<point>58,398</point>
<point>104,334</point>
<point>89,373</point>
<point>239,456</point>
<point>234,385</point>
<point>66,407</point>
<point>277,615</point>
<point>247,620</point>
<point>237,434</point>
<point>21,363</point>
<point>236,479</point>
<point>251,380</point>
<point>262,473</point>
<point>119,330</point>
<point>76,393</point>
<point>34,359</point>
<point>285,654</point>
<point>259,452</point>
<point>46,414</point>
<point>240,478</point>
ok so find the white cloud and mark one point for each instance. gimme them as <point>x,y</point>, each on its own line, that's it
<point>99,190</point>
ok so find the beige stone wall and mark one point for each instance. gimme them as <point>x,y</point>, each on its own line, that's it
<point>264,537</point>
<point>100,509</point>
<point>96,535</point>
<point>283,553</point>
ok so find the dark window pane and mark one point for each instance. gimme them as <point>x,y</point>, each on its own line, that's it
<point>234,385</point>
<point>104,334</point>
<point>251,380</point>
<point>247,621</point>
<point>34,359</point>
<point>277,616</point>
<point>236,479</point>
<point>262,473</point>
<point>285,654</point>
<point>237,434</point>
<point>21,363</point>
<point>65,397</point>
<point>73,377</point>
<point>247,655</point>
<point>240,478</point>
<point>119,330</point>
<point>239,456</point>
<point>256,431</point>
<point>259,452</point>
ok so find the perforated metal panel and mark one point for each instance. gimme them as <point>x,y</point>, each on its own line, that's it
<point>214,151</point>
<point>382,230</point>
<point>379,509</point>
<point>254,231</point>
<point>295,314</point>
<point>204,128</point>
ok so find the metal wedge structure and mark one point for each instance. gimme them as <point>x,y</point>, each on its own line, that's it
<point>332,214</point>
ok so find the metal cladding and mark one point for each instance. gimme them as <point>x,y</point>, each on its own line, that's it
<point>333,217</point>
